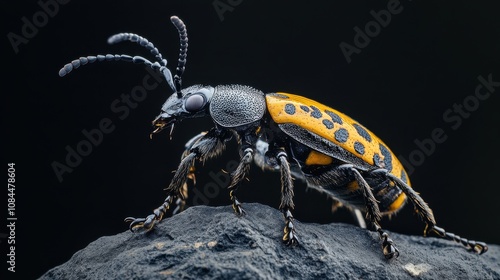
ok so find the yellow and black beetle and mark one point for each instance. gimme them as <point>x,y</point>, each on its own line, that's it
<point>298,137</point>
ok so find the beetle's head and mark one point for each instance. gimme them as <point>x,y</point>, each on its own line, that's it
<point>192,103</point>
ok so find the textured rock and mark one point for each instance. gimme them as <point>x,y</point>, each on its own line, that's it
<point>212,242</point>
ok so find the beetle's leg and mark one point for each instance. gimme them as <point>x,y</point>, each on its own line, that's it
<point>173,191</point>
<point>286,205</point>
<point>238,175</point>
<point>373,215</point>
<point>181,200</point>
<point>471,245</point>
<point>206,147</point>
<point>426,214</point>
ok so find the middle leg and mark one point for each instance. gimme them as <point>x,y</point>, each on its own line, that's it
<point>239,175</point>
<point>287,205</point>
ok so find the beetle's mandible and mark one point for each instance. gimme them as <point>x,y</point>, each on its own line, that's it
<point>287,133</point>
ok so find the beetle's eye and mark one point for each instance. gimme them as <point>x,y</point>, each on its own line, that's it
<point>194,103</point>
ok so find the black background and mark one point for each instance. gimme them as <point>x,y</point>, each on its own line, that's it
<point>399,86</point>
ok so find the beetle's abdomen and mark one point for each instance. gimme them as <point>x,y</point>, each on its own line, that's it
<point>389,197</point>
<point>333,126</point>
<point>322,172</point>
<point>346,189</point>
<point>236,105</point>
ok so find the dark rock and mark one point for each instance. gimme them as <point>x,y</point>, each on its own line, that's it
<point>212,242</point>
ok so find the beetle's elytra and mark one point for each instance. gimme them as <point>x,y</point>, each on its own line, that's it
<point>291,134</point>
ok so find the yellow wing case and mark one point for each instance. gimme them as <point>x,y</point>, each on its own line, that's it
<point>336,127</point>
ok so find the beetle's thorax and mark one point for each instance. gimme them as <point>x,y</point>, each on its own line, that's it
<point>232,106</point>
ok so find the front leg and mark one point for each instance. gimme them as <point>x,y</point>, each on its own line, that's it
<point>246,141</point>
<point>181,200</point>
<point>208,146</point>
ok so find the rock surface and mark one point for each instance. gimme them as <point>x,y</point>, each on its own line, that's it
<point>211,242</point>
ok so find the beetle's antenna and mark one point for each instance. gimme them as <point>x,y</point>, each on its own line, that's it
<point>161,64</point>
<point>117,57</point>
<point>181,64</point>
<point>120,37</point>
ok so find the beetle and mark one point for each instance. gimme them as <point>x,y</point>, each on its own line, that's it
<point>282,132</point>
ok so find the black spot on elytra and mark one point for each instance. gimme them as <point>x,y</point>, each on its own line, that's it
<point>376,159</point>
<point>362,132</point>
<point>359,148</point>
<point>335,118</point>
<point>341,135</point>
<point>328,124</point>
<point>316,113</point>
<point>304,108</point>
<point>290,109</point>
<point>387,157</point>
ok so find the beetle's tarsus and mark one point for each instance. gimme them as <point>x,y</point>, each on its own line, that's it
<point>134,222</point>
<point>390,251</point>
<point>238,210</point>
<point>426,214</point>
<point>471,245</point>
<point>141,224</point>
<point>147,224</point>
<point>289,237</point>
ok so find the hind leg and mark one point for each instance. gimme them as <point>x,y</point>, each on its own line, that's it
<point>347,174</point>
<point>428,217</point>
<point>237,176</point>
<point>373,215</point>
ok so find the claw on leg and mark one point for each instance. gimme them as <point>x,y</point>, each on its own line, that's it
<point>390,251</point>
<point>238,210</point>
<point>289,236</point>
<point>141,224</point>
<point>148,223</point>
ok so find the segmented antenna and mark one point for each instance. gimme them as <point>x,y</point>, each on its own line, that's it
<point>181,63</point>
<point>160,64</point>
<point>120,37</point>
